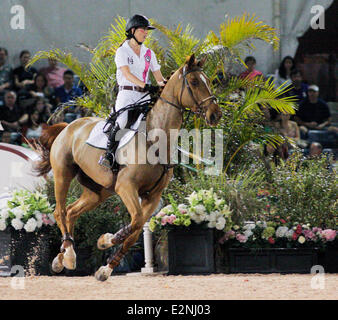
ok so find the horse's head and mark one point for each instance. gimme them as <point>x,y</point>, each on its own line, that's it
<point>193,91</point>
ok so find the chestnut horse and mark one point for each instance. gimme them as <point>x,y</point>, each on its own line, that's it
<point>139,186</point>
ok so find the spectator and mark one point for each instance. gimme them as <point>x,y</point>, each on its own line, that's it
<point>251,72</point>
<point>43,108</point>
<point>12,118</point>
<point>316,149</point>
<point>313,113</point>
<point>299,87</point>
<point>5,74</point>
<point>68,92</point>
<point>53,74</point>
<point>35,124</point>
<point>283,73</point>
<point>41,89</point>
<point>22,76</point>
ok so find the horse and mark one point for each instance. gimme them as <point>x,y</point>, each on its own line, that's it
<point>139,185</point>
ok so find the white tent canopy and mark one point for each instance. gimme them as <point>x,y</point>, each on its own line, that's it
<point>65,23</point>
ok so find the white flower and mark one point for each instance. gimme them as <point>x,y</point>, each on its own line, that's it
<point>38,217</point>
<point>281,232</point>
<point>3,224</point>
<point>31,225</point>
<point>220,224</point>
<point>18,212</point>
<point>212,224</point>
<point>248,233</point>
<point>219,202</point>
<point>4,214</point>
<point>289,234</point>
<point>193,197</point>
<point>212,216</point>
<point>51,217</point>
<point>182,206</point>
<point>301,239</point>
<point>261,224</point>
<point>249,226</point>
<point>167,209</point>
<point>200,209</point>
<point>17,224</point>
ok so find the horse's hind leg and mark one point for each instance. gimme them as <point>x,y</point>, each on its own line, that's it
<point>62,180</point>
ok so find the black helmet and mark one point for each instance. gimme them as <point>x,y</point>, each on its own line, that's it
<point>137,21</point>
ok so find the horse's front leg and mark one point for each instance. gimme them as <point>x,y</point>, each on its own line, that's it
<point>130,197</point>
<point>148,206</point>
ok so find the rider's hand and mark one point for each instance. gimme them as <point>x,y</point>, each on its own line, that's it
<point>151,89</point>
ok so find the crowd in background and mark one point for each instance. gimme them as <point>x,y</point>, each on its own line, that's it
<point>29,96</point>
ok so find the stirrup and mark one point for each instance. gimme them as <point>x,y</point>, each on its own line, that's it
<point>105,162</point>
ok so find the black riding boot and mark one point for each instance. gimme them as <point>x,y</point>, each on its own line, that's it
<point>108,159</point>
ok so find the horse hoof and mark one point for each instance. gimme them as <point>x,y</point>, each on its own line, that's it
<point>105,241</point>
<point>57,265</point>
<point>69,259</point>
<point>103,273</point>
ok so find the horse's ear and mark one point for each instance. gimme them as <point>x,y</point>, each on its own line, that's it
<point>202,62</point>
<point>190,61</point>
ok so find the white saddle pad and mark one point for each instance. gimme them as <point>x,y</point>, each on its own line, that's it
<point>98,139</point>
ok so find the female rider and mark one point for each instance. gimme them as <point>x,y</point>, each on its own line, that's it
<point>133,61</point>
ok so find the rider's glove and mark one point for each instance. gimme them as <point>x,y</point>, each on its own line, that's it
<point>151,89</point>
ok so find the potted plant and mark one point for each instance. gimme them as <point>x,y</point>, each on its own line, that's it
<point>275,246</point>
<point>190,230</point>
<point>25,222</point>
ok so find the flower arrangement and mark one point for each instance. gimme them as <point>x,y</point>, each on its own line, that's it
<point>26,210</point>
<point>172,214</point>
<point>204,207</point>
<point>278,233</point>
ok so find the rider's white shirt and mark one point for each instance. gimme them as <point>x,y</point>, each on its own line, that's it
<point>125,56</point>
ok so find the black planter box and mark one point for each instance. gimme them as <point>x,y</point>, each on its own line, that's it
<point>191,251</point>
<point>272,260</point>
<point>30,250</point>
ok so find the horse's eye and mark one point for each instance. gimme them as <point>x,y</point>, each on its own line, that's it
<point>194,82</point>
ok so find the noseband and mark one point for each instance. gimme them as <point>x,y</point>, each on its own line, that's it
<point>200,108</point>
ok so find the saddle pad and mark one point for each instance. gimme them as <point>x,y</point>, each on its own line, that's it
<point>98,139</point>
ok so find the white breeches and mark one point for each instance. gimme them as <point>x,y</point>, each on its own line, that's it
<point>124,98</point>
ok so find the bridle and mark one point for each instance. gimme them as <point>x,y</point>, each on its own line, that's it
<point>201,110</point>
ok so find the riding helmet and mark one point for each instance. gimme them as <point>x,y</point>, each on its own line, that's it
<point>138,21</point>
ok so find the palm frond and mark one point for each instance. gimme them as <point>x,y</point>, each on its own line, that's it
<point>181,44</point>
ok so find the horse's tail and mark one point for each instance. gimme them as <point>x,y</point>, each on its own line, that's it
<point>43,146</point>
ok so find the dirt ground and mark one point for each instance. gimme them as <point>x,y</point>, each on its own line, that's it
<point>161,287</point>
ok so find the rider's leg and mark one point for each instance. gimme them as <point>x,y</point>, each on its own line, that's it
<point>108,158</point>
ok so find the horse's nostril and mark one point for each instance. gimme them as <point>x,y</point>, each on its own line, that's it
<point>213,118</point>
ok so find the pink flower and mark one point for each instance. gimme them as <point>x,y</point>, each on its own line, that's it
<point>171,219</point>
<point>309,235</point>
<point>271,240</point>
<point>228,235</point>
<point>241,238</point>
<point>315,230</point>
<point>45,219</point>
<point>329,234</point>
<point>183,211</point>
<point>164,220</point>
<point>294,236</point>
<point>160,214</point>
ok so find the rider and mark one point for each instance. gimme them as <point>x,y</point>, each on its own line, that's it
<point>133,61</point>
